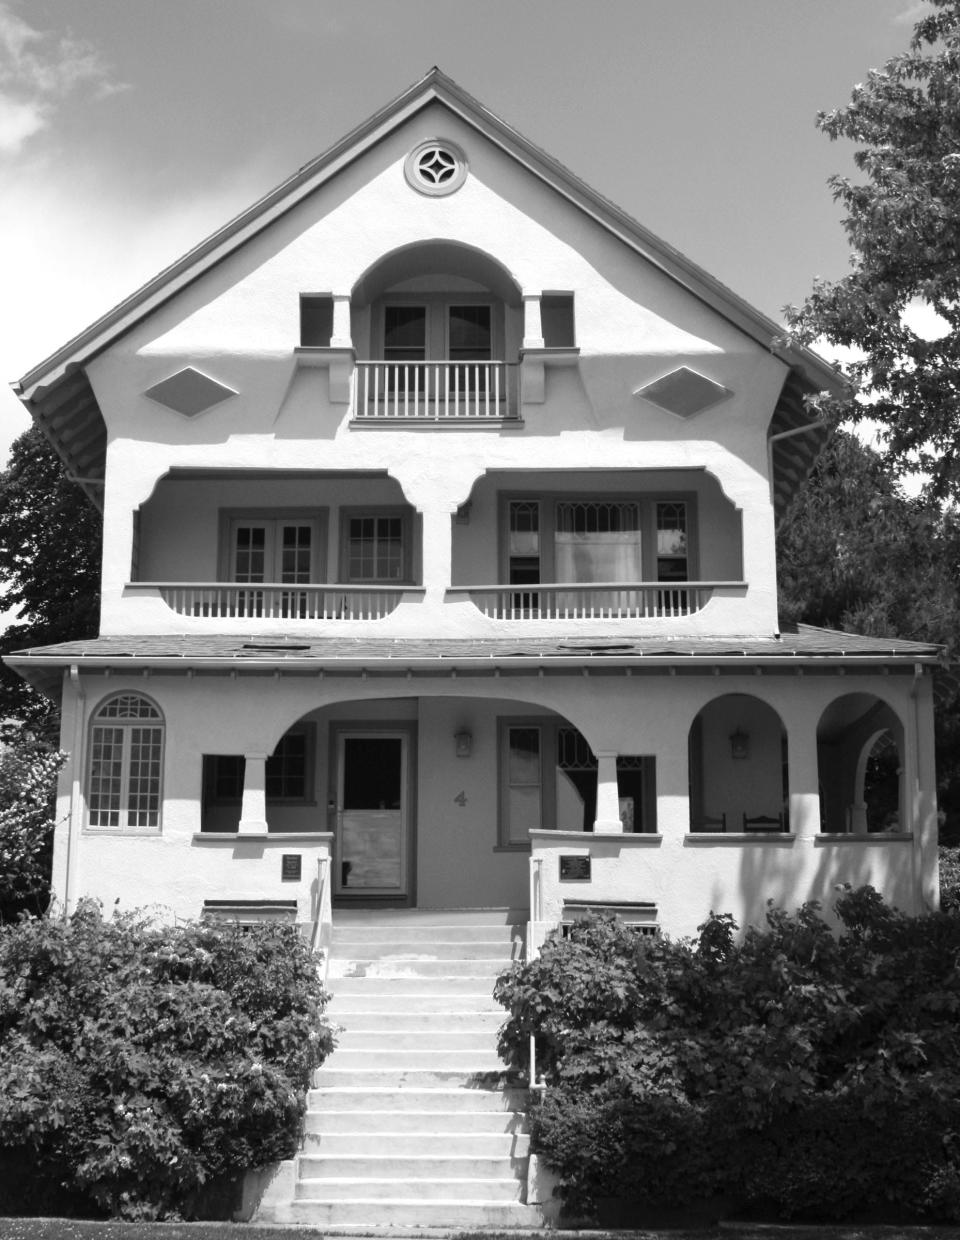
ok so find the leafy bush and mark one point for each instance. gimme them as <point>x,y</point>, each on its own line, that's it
<point>139,1063</point>
<point>799,1072</point>
<point>28,776</point>
<point>949,878</point>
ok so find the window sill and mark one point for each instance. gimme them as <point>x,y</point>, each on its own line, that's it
<point>739,837</point>
<point>262,837</point>
<point>863,837</point>
<point>142,833</point>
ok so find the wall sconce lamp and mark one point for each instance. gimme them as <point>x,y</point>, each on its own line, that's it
<point>739,744</point>
<point>463,743</point>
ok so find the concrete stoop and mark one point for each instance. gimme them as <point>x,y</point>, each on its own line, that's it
<point>413,1121</point>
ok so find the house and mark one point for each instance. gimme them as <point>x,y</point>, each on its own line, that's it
<point>439,502</point>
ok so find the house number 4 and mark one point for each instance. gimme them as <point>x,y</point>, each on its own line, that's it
<point>460,799</point>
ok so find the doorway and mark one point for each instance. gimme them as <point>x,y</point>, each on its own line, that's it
<point>372,834</point>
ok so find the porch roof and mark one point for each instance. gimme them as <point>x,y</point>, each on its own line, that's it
<point>796,644</point>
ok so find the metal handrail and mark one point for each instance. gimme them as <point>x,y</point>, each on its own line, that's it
<point>536,911</point>
<point>322,867</point>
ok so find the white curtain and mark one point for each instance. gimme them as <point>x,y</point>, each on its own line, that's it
<point>598,556</point>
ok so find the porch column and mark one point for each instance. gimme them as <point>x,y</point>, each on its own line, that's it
<point>803,776</point>
<point>532,326</point>
<point>437,551</point>
<point>608,797</point>
<point>920,776</point>
<point>340,337</point>
<point>253,807</point>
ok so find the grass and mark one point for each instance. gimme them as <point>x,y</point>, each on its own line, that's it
<point>79,1229</point>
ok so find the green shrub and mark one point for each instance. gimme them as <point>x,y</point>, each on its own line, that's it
<point>139,1063</point>
<point>949,878</point>
<point>797,1071</point>
<point>28,779</point>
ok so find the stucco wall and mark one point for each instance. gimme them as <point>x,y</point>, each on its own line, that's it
<point>238,324</point>
<point>457,861</point>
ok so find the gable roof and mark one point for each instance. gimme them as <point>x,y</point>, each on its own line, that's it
<point>61,400</point>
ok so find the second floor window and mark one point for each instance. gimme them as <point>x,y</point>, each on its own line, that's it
<point>272,549</point>
<point>376,547</point>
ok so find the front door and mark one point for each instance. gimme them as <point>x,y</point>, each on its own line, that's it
<point>371,854</point>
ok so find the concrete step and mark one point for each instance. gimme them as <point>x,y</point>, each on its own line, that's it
<point>410,1211</point>
<point>450,985</point>
<point>399,917</point>
<point>415,966</point>
<point>432,1035</point>
<point>422,1189</point>
<point>448,1098</point>
<point>412,1168</point>
<point>330,1143</point>
<point>438,940</point>
<point>328,1119</point>
<point>411,1007</point>
<point>479,1075</point>
<point>423,1058</point>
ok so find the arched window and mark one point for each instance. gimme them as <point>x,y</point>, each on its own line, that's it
<point>126,756</point>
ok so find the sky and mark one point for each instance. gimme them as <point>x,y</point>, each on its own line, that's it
<point>131,129</point>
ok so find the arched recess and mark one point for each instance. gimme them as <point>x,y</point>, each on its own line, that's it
<point>582,525</point>
<point>738,766</point>
<point>860,747</point>
<point>437,300</point>
<point>461,779</point>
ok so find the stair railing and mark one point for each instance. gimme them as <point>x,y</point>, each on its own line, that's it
<point>533,949</point>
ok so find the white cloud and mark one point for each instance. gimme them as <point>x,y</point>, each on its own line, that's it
<point>913,12</point>
<point>38,73</point>
<point>19,121</point>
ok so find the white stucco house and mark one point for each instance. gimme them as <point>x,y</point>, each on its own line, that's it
<point>439,502</point>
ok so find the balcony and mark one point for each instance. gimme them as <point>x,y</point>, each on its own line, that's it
<point>216,601</point>
<point>595,600</point>
<point>437,392</point>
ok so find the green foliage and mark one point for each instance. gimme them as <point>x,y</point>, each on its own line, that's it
<point>949,878</point>
<point>50,567</point>
<point>139,1063</point>
<point>903,224</point>
<point>798,1071</point>
<point>28,772</point>
<point>854,553</point>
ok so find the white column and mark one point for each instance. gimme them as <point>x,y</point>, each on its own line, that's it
<point>341,336</point>
<point>532,326</point>
<point>803,775</point>
<point>608,797</point>
<point>253,808</point>
<point>437,556</point>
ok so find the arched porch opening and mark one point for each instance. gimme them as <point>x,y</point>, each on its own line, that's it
<point>430,796</point>
<point>860,746</point>
<point>738,767</point>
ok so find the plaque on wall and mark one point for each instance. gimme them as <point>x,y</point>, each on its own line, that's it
<point>291,867</point>
<point>574,869</point>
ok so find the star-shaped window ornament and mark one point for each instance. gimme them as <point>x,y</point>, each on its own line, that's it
<point>436,167</point>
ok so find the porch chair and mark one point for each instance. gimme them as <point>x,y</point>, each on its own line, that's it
<point>763,824</point>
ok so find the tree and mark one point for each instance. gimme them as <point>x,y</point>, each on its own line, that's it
<point>28,772</point>
<point>903,224</point>
<point>50,563</point>
<point>854,553</point>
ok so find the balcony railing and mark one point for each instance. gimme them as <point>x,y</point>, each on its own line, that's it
<point>596,600</point>
<point>279,602</point>
<point>436,391</point>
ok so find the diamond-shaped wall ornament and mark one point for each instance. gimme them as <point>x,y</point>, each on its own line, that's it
<point>189,392</point>
<point>684,392</point>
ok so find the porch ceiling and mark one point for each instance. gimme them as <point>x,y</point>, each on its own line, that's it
<point>821,649</point>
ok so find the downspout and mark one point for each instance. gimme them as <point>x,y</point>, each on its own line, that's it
<point>73,826</point>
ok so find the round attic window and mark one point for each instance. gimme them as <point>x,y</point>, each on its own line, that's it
<point>436,167</point>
